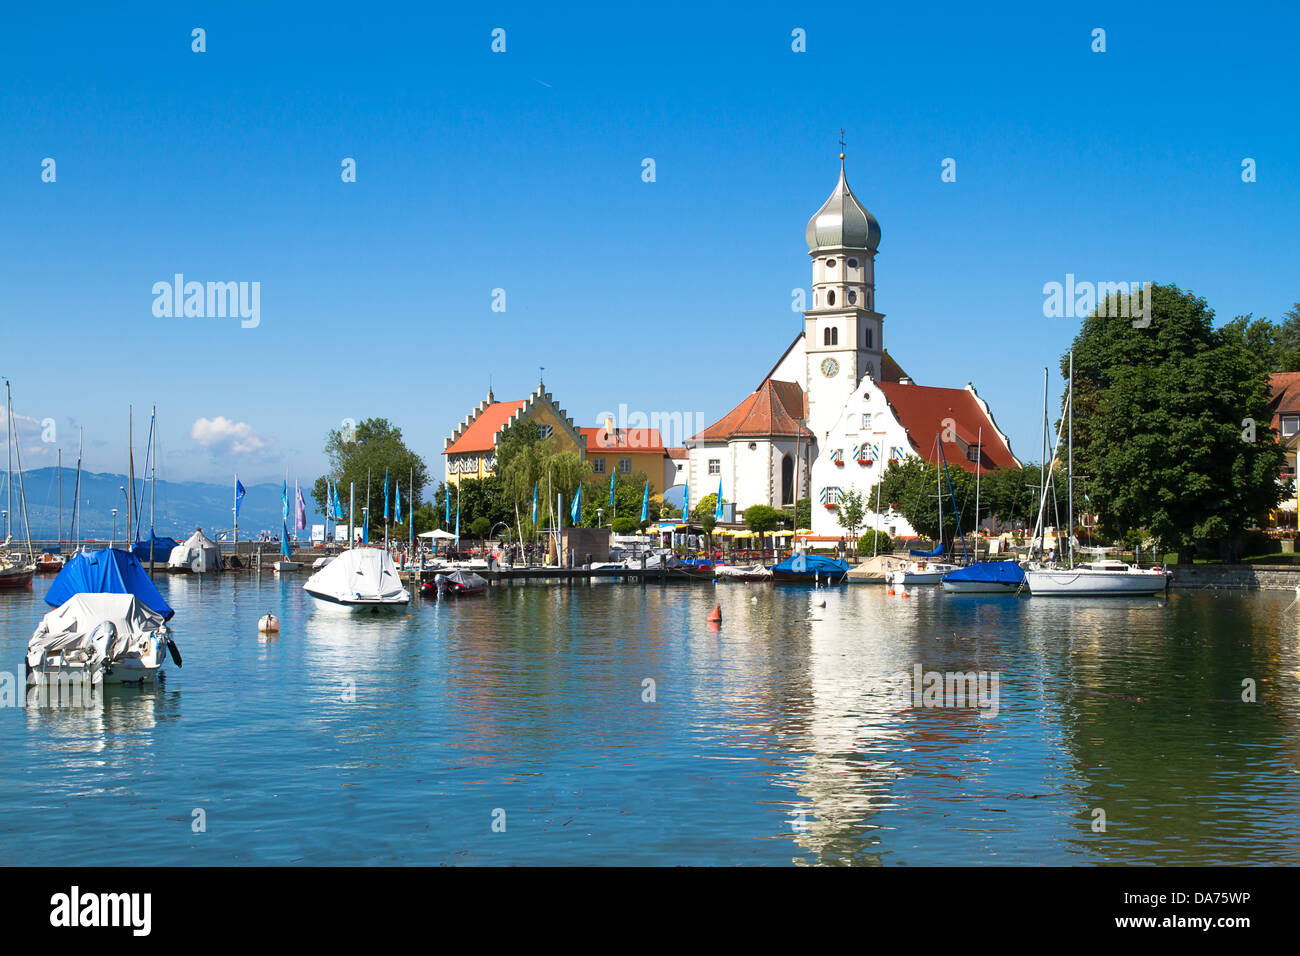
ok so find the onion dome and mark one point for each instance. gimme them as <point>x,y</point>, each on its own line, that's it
<point>843,222</point>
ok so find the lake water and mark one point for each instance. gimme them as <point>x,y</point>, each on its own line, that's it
<point>779,738</point>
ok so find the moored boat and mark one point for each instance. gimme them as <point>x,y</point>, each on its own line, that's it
<point>752,572</point>
<point>810,569</point>
<point>460,583</point>
<point>1097,579</point>
<point>99,638</point>
<point>986,577</point>
<point>359,578</point>
<point>920,572</point>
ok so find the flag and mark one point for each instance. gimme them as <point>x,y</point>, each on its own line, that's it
<point>457,517</point>
<point>397,502</point>
<point>385,496</point>
<point>535,504</point>
<point>576,511</point>
<point>686,500</point>
<point>239,495</point>
<point>717,506</point>
<point>284,501</point>
<point>338,505</point>
<point>365,525</point>
<point>645,502</point>
<point>284,540</point>
<point>611,492</point>
<point>300,523</point>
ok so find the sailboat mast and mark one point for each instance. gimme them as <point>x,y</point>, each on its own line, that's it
<point>938,486</point>
<point>979,454</point>
<point>59,533</point>
<point>1069,524</point>
<point>9,474</point>
<point>153,481</point>
<point>75,527</point>
<point>130,454</point>
<point>875,544</point>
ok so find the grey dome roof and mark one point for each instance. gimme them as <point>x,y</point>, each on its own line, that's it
<point>843,222</point>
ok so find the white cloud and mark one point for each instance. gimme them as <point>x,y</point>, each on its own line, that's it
<point>221,434</point>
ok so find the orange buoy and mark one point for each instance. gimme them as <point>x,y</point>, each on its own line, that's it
<point>890,591</point>
<point>715,616</point>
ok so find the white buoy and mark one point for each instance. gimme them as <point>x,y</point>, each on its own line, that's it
<point>821,603</point>
<point>268,624</point>
<point>753,600</point>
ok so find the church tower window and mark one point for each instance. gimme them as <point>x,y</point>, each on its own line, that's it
<point>830,297</point>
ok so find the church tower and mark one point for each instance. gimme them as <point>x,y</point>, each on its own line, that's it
<point>842,331</point>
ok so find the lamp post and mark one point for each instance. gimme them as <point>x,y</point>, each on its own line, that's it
<point>600,517</point>
<point>113,543</point>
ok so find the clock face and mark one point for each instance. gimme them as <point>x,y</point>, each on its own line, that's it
<point>830,367</point>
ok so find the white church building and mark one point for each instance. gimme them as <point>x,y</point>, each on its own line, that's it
<point>836,407</point>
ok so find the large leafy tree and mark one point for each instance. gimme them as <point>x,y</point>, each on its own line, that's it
<point>1161,423</point>
<point>360,458</point>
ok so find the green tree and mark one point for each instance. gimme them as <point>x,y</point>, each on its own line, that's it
<point>364,454</point>
<point>1160,425</point>
<point>874,542</point>
<point>761,519</point>
<point>851,512</point>
<point>802,514</point>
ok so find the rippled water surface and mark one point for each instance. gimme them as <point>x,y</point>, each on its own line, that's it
<point>776,739</point>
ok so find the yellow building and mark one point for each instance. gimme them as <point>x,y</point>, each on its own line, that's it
<point>470,451</point>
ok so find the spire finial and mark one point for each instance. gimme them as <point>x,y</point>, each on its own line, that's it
<point>541,372</point>
<point>841,148</point>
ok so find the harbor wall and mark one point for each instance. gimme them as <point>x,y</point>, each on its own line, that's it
<point>1238,576</point>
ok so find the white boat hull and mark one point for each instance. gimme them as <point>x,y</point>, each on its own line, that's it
<point>1081,582</point>
<point>981,587</point>
<point>932,574</point>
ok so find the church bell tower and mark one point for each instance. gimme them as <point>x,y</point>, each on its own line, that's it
<point>843,334</point>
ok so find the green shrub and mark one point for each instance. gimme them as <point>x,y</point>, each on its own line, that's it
<point>874,541</point>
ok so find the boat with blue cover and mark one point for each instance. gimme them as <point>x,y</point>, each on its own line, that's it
<point>986,577</point>
<point>809,569</point>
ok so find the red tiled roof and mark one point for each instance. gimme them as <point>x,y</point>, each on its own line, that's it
<point>640,440</point>
<point>481,432</point>
<point>922,410</point>
<point>1284,397</point>
<point>771,412</point>
<point>680,453</point>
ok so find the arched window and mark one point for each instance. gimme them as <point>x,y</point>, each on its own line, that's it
<point>787,480</point>
<point>835,336</point>
<point>830,297</point>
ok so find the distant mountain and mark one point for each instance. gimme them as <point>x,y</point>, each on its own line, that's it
<point>179,506</point>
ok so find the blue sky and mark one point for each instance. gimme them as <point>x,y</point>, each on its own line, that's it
<point>522,171</point>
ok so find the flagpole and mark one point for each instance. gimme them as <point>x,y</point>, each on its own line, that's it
<point>235,510</point>
<point>352,508</point>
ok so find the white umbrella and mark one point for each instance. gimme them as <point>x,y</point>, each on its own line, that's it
<point>436,534</point>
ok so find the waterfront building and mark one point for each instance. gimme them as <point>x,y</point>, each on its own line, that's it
<point>470,450</point>
<point>1284,403</point>
<point>836,407</point>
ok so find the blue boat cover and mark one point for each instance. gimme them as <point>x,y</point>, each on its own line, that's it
<point>938,550</point>
<point>812,564</point>
<point>110,571</point>
<point>997,572</point>
<point>162,549</point>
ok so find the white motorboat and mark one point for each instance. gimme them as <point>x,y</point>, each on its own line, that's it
<point>920,572</point>
<point>99,638</point>
<point>750,572</point>
<point>287,565</point>
<point>1096,579</point>
<point>359,578</point>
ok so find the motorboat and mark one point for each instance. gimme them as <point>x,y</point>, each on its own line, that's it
<point>359,578</point>
<point>986,577</point>
<point>810,569</point>
<point>920,572</point>
<point>15,572</point>
<point>287,565</point>
<point>750,572</point>
<point>1097,579</point>
<point>460,583</point>
<point>49,562</point>
<point>100,639</point>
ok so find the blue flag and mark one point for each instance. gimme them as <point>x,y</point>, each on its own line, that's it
<point>611,491</point>
<point>458,519</point>
<point>365,525</point>
<point>385,496</point>
<point>717,507</point>
<point>239,495</point>
<point>534,504</point>
<point>397,499</point>
<point>446,504</point>
<point>284,501</point>
<point>576,511</point>
<point>645,502</point>
<point>686,500</point>
<point>338,505</point>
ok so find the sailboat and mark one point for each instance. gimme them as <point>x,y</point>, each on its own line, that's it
<point>923,570</point>
<point>16,569</point>
<point>1091,578</point>
<point>984,577</point>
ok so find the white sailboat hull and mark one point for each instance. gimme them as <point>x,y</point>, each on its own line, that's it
<point>1080,582</point>
<point>930,574</point>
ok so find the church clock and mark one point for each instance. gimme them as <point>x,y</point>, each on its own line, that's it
<point>830,367</point>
